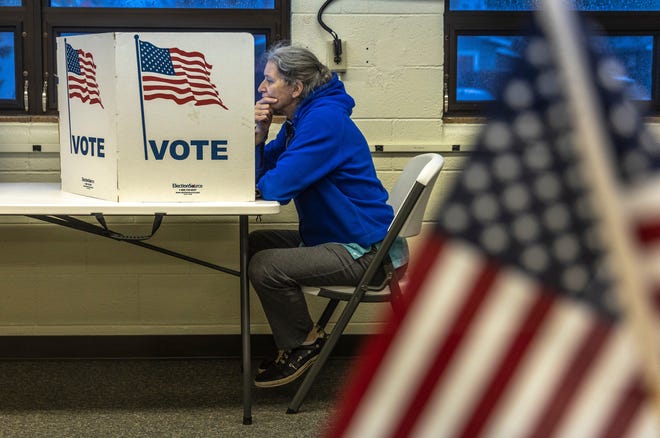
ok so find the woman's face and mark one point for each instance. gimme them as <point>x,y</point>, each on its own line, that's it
<point>276,87</point>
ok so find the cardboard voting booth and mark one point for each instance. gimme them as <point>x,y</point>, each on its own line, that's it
<point>162,117</point>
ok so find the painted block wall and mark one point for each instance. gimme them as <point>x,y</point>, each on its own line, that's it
<point>59,281</point>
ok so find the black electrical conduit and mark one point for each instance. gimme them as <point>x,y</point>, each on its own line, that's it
<point>335,37</point>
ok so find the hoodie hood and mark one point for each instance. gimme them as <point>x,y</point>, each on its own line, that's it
<point>334,95</point>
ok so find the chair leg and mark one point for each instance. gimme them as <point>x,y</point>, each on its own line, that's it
<point>313,372</point>
<point>327,314</point>
<point>395,303</point>
<point>329,345</point>
<point>396,297</point>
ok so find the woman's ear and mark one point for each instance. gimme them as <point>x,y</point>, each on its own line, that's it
<point>297,89</point>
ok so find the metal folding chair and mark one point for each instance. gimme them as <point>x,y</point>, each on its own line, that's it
<point>409,198</point>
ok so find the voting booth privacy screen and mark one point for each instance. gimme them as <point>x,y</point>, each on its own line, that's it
<point>161,117</point>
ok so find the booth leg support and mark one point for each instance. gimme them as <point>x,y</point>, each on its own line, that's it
<point>245,322</point>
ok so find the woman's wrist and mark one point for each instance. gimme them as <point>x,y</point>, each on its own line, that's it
<point>260,138</point>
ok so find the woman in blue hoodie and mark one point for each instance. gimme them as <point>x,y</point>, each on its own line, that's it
<point>321,161</point>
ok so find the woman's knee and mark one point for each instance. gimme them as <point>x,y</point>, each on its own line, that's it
<point>266,273</point>
<point>255,269</point>
<point>256,236</point>
<point>255,242</point>
<point>261,268</point>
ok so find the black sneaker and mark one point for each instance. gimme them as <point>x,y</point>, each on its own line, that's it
<point>268,361</point>
<point>289,365</point>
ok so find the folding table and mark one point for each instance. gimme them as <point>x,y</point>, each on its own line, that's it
<point>46,202</point>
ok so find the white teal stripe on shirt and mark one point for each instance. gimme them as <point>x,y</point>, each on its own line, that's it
<point>398,253</point>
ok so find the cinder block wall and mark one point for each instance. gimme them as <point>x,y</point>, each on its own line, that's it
<point>63,282</point>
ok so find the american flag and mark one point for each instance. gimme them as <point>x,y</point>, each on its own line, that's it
<point>512,327</point>
<point>81,76</point>
<point>178,75</point>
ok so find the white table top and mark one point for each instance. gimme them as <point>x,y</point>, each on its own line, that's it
<point>48,199</point>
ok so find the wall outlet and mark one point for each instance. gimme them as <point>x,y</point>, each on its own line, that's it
<point>332,65</point>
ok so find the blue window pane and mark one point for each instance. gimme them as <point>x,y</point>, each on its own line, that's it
<point>483,61</point>
<point>7,66</point>
<point>481,64</point>
<point>526,5</point>
<point>10,2</point>
<point>636,55</point>
<point>181,4</point>
<point>259,62</point>
<point>489,5</point>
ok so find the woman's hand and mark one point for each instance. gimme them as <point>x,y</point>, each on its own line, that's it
<point>263,116</point>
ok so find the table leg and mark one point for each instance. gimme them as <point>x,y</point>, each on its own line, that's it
<point>245,321</point>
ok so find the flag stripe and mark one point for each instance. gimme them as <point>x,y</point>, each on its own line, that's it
<point>486,339</point>
<point>178,100</point>
<point>84,97</point>
<point>562,334</point>
<point>625,412</point>
<point>425,324</point>
<point>568,386</point>
<point>82,83</point>
<point>196,58</point>
<point>649,232</point>
<point>178,90</point>
<point>522,340</point>
<point>168,80</point>
<point>191,72</point>
<point>645,422</point>
<point>374,351</point>
<point>457,331</point>
<point>601,389</point>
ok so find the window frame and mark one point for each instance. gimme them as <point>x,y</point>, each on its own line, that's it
<point>459,23</point>
<point>38,24</point>
<point>17,30</point>
<point>21,21</point>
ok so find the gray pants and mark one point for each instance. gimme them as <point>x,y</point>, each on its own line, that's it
<point>278,265</point>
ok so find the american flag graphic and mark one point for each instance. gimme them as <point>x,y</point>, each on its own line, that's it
<point>511,326</point>
<point>81,76</point>
<point>174,74</point>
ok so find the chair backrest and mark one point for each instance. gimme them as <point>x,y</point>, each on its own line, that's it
<point>423,169</point>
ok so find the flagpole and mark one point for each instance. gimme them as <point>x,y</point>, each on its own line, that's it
<point>68,98</point>
<point>561,24</point>
<point>139,71</point>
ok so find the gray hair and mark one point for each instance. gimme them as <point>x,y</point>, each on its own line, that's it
<point>297,63</point>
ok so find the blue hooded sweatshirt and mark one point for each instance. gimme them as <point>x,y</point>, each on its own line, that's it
<point>325,166</point>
